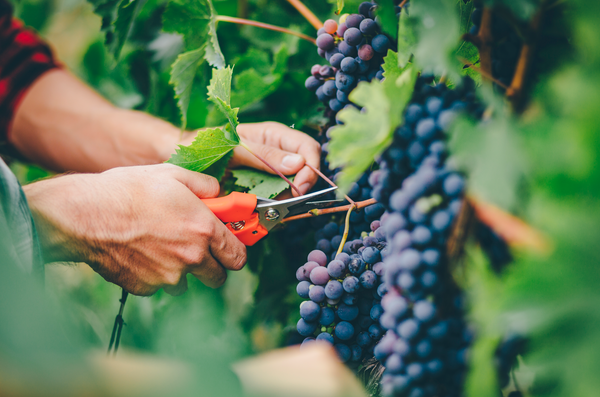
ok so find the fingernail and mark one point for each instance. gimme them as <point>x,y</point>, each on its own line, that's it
<point>292,161</point>
<point>304,188</point>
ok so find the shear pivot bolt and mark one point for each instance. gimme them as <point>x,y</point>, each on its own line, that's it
<point>271,214</point>
<point>238,225</point>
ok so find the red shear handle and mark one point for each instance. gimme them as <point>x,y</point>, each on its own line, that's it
<point>237,211</point>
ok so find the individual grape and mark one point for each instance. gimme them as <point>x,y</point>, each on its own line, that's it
<point>433,106</point>
<point>316,293</point>
<point>325,42</point>
<point>352,36</point>
<point>365,52</point>
<point>331,229</point>
<point>334,289</point>
<point>347,49</point>
<point>342,96</point>
<point>341,30</point>
<point>368,27</point>
<point>429,279</point>
<point>409,259</point>
<point>324,245</point>
<point>375,331</point>
<point>312,83</point>
<point>319,275</point>
<point>453,185</point>
<point>396,307</point>
<point>368,279</point>
<point>380,43</point>
<point>348,65</point>
<point>330,26</point>
<point>344,330</point>
<point>364,8</point>
<point>421,235</point>
<point>441,220</point>
<point>329,88</point>
<point>343,352</point>
<point>376,312</point>
<point>351,284</point>
<point>426,129</point>
<point>424,311</point>
<point>336,106</point>
<point>353,21</point>
<point>327,316</point>
<point>302,289</point>
<point>362,65</point>
<point>326,337</point>
<point>344,81</point>
<point>321,95</point>
<point>406,281</point>
<point>306,328</point>
<point>408,329</point>
<point>394,364</point>
<point>363,339</point>
<point>347,312</point>
<point>336,268</point>
<point>342,256</point>
<point>309,310</point>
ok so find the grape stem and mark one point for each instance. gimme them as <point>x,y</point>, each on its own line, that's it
<point>242,21</point>
<point>346,229</point>
<point>242,144</point>
<point>402,3</point>
<point>482,72</point>
<point>306,13</point>
<point>325,211</point>
<point>322,175</point>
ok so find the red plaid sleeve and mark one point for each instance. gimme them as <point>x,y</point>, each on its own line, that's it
<point>23,58</point>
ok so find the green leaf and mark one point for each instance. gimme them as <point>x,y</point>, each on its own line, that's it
<point>406,38</point>
<point>251,86</point>
<point>182,79</point>
<point>218,169</point>
<point>365,135</point>
<point>387,14</point>
<point>219,93</point>
<point>465,11</point>
<point>209,147</point>
<point>126,14</point>
<point>438,32</point>
<point>340,7</point>
<point>260,183</point>
<point>196,21</point>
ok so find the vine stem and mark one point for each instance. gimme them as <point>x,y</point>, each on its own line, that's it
<point>322,175</point>
<point>402,3</point>
<point>325,211</point>
<point>242,21</point>
<point>346,230</point>
<point>242,144</point>
<point>306,13</point>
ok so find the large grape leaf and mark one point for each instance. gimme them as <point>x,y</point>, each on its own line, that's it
<point>386,13</point>
<point>195,21</point>
<point>260,183</point>
<point>182,79</point>
<point>209,147</point>
<point>406,38</point>
<point>219,93</point>
<point>364,135</point>
<point>212,144</point>
<point>252,85</point>
<point>118,17</point>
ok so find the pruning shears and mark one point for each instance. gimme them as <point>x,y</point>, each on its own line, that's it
<point>250,217</point>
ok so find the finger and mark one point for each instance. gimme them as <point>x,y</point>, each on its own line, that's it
<point>210,273</point>
<point>287,163</point>
<point>305,180</point>
<point>203,186</point>
<point>280,136</point>
<point>177,289</point>
<point>226,248</point>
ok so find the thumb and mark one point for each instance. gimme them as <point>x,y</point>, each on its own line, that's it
<point>203,186</point>
<point>287,163</point>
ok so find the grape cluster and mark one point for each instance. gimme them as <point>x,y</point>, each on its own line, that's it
<point>425,348</point>
<point>344,294</point>
<point>506,47</point>
<point>354,49</point>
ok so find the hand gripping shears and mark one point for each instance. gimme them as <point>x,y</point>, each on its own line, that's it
<point>250,217</point>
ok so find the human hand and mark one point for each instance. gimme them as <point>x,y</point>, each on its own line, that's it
<point>142,228</point>
<point>286,149</point>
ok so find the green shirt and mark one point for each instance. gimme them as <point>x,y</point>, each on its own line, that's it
<point>21,245</point>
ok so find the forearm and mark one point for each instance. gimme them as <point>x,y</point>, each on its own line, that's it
<point>64,125</point>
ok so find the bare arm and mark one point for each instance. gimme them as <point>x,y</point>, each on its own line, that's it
<point>64,125</point>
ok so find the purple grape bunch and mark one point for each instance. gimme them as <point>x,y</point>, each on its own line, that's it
<point>343,297</point>
<point>354,49</point>
<point>425,348</point>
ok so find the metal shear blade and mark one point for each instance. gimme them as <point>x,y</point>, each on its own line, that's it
<point>272,212</point>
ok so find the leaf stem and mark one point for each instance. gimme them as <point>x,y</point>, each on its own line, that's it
<point>346,230</point>
<point>482,72</point>
<point>318,172</point>
<point>325,211</point>
<point>242,144</point>
<point>306,13</point>
<point>242,21</point>
<point>402,3</point>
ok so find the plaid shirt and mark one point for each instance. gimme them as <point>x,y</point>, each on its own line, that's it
<point>23,58</point>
